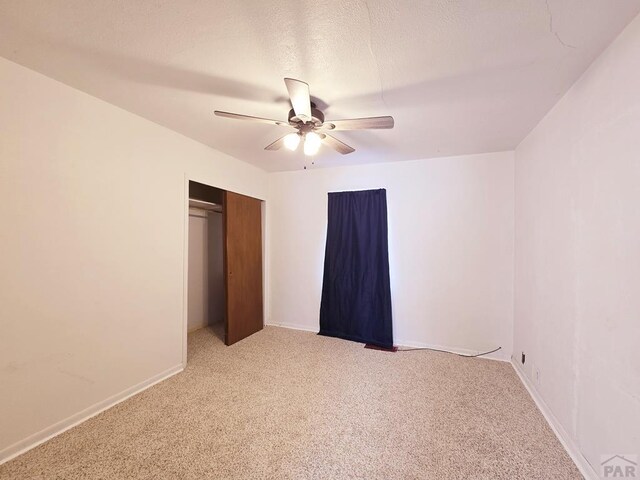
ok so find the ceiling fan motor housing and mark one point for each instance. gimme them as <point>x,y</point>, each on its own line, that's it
<point>317,117</point>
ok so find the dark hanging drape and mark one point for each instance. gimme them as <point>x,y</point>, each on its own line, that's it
<point>356,293</point>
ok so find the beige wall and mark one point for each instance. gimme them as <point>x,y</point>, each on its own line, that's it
<point>93,215</point>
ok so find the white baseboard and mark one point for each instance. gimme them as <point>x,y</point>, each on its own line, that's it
<point>500,355</point>
<point>42,436</point>
<point>57,428</point>
<point>292,326</point>
<point>586,469</point>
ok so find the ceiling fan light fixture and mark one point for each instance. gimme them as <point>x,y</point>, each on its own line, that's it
<point>311,143</point>
<point>305,117</point>
<point>292,141</point>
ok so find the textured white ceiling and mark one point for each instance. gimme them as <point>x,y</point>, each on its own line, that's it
<point>465,76</point>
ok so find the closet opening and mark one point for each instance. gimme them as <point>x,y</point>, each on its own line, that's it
<point>206,297</point>
<point>223,264</point>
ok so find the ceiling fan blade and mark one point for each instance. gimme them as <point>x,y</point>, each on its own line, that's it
<point>359,123</point>
<point>337,145</point>
<point>237,116</point>
<point>300,98</point>
<point>277,145</point>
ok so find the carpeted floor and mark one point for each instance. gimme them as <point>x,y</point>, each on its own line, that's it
<point>293,405</point>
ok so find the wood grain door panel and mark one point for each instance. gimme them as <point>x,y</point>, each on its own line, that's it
<point>243,266</point>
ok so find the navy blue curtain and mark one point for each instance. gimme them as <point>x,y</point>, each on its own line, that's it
<point>356,292</point>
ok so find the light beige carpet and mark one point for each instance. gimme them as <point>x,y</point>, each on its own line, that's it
<point>293,405</point>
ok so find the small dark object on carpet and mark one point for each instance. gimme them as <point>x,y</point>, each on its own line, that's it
<point>383,349</point>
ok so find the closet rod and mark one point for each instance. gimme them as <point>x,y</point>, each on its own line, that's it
<point>203,216</point>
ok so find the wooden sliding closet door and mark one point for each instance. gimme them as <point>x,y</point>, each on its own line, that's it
<point>242,220</point>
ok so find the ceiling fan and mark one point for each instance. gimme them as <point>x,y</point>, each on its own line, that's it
<point>310,124</point>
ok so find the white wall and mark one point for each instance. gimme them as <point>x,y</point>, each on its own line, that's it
<point>206,299</point>
<point>93,215</point>
<point>577,274</point>
<point>450,247</point>
<point>215,239</point>
<point>198,286</point>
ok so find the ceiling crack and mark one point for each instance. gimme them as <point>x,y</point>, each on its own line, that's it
<point>373,55</point>
<point>552,30</point>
